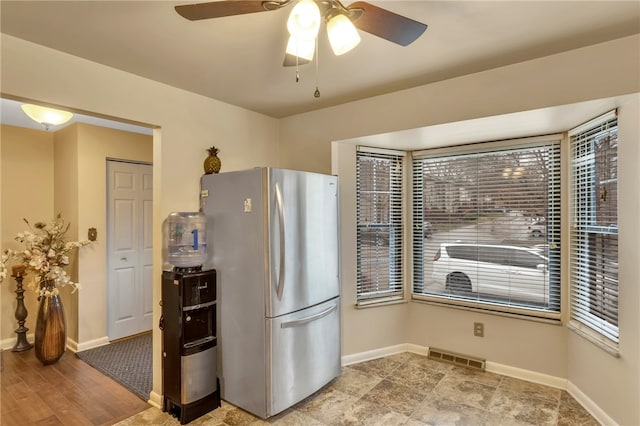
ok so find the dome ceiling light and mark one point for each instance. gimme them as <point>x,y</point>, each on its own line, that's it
<point>46,116</point>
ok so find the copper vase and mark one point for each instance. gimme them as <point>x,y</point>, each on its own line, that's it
<point>50,334</point>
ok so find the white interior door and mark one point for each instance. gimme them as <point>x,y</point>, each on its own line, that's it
<point>129,243</point>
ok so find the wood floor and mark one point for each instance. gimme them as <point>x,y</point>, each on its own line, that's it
<point>69,392</point>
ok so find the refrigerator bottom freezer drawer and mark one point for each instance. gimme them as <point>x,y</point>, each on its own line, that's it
<point>305,354</point>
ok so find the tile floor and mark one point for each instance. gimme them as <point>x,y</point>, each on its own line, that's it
<point>409,389</point>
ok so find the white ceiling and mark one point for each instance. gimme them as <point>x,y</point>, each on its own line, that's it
<point>239,59</point>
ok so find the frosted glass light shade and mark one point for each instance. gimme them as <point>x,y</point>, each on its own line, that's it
<point>304,20</point>
<point>343,35</point>
<point>46,116</point>
<point>301,48</point>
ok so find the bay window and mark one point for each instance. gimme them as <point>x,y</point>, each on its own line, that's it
<point>486,226</point>
<point>594,229</point>
<point>379,177</point>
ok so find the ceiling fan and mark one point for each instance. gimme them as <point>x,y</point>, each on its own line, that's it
<point>304,22</point>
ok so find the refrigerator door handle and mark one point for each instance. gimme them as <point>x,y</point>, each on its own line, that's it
<point>280,286</point>
<point>309,318</point>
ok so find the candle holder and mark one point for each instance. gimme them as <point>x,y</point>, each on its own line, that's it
<point>21,311</point>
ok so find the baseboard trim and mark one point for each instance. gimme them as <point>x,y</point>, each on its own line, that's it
<point>375,353</point>
<point>528,375</point>
<point>72,345</point>
<point>588,404</point>
<point>155,399</point>
<point>10,342</point>
<point>95,343</point>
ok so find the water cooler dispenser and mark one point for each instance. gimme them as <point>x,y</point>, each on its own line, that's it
<point>189,344</point>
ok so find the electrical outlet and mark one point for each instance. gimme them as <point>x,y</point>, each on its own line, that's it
<point>478,329</point>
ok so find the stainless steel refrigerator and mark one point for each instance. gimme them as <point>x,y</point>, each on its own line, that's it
<point>272,237</point>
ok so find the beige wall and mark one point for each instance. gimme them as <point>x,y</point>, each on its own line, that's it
<point>95,145</point>
<point>507,341</point>
<point>574,76</point>
<point>571,77</point>
<point>186,123</point>
<point>614,383</point>
<point>189,123</point>
<point>363,329</point>
<point>72,164</point>
<point>65,202</point>
<point>27,192</point>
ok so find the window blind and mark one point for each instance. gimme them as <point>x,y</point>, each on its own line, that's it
<point>379,177</point>
<point>487,227</point>
<point>594,226</point>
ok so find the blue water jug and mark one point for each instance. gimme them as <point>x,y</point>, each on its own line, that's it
<point>187,244</point>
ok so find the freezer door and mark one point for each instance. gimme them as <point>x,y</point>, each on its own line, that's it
<point>304,354</point>
<point>303,240</point>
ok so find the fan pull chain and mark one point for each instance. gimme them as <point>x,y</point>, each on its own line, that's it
<point>316,94</point>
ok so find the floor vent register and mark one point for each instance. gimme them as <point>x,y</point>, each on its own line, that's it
<point>457,359</point>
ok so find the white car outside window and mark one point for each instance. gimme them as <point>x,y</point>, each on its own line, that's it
<point>508,272</point>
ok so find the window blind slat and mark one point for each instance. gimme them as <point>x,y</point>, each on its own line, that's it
<point>487,227</point>
<point>593,237</point>
<point>379,224</point>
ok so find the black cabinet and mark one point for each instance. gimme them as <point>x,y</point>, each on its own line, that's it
<point>189,344</point>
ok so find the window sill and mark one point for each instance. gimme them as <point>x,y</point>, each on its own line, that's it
<point>396,300</point>
<point>591,336</point>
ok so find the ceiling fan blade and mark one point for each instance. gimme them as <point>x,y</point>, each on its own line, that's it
<point>218,9</point>
<point>388,25</point>
<point>290,60</point>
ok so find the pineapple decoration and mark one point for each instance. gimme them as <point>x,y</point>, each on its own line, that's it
<point>212,163</point>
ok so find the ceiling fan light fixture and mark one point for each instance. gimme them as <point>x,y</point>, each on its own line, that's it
<point>343,35</point>
<point>304,49</point>
<point>46,116</point>
<point>304,20</point>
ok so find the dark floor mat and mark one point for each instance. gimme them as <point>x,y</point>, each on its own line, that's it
<point>128,362</point>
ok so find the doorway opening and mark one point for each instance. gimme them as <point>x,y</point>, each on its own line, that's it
<point>129,248</point>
